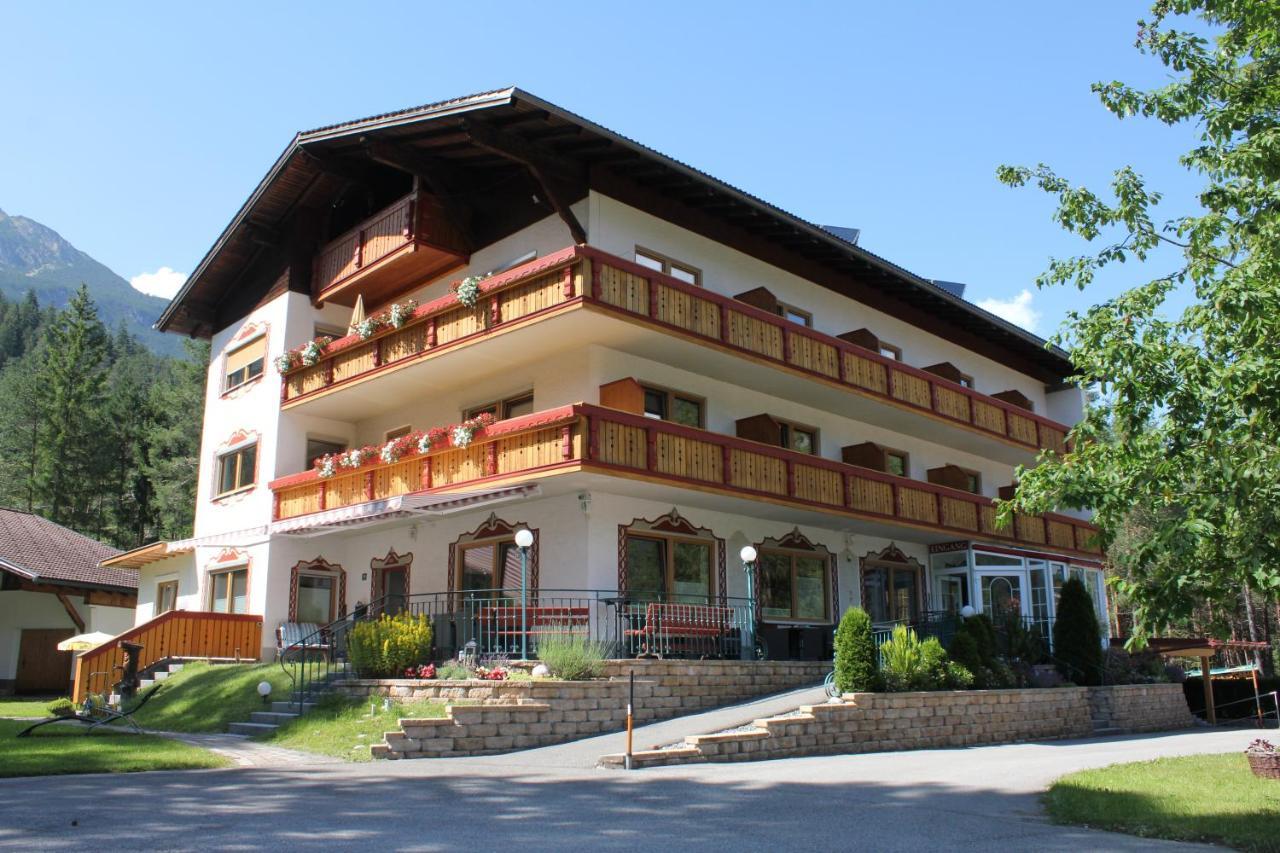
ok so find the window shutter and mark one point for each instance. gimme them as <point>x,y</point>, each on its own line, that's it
<point>246,355</point>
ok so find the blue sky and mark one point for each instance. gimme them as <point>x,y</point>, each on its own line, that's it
<point>138,133</point>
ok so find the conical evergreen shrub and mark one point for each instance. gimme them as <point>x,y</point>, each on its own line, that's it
<point>856,664</point>
<point>1077,640</point>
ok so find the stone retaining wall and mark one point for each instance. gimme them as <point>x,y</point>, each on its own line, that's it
<point>499,716</point>
<point>882,722</point>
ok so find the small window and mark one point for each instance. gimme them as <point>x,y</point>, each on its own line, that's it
<point>801,439</point>
<point>795,315</point>
<point>237,469</point>
<point>666,405</point>
<point>166,597</point>
<point>896,463</point>
<point>229,591</point>
<point>966,380</point>
<point>399,431</point>
<point>891,351</point>
<point>318,447</point>
<point>676,269</point>
<point>973,482</point>
<point>511,407</point>
<point>245,364</point>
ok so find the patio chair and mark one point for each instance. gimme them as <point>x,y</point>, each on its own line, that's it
<point>94,716</point>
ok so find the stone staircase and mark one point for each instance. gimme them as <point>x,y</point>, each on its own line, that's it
<point>1102,714</point>
<point>265,722</point>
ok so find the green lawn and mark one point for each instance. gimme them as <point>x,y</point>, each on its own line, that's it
<point>1210,798</point>
<point>19,706</point>
<point>66,749</point>
<point>344,727</point>
<point>207,698</point>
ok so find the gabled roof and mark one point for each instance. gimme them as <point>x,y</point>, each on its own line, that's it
<point>37,550</point>
<point>443,134</point>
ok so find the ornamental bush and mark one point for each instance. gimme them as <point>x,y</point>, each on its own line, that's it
<point>63,707</point>
<point>1077,641</point>
<point>856,656</point>
<point>572,657</point>
<point>975,647</point>
<point>910,663</point>
<point>385,647</point>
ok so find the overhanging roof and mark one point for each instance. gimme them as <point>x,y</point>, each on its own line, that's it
<point>608,162</point>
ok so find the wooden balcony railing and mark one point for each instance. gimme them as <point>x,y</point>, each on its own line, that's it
<point>587,437</point>
<point>177,633</point>
<point>580,274</point>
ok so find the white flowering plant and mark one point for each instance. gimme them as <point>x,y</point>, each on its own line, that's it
<point>468,290</point>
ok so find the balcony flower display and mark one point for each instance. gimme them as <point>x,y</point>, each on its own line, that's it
<point>399,313</point>
<point>459,436</point>
<point>468,290</point>
<point>308,355</point>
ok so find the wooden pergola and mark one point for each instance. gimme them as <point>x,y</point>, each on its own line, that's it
<point>1203,648</point>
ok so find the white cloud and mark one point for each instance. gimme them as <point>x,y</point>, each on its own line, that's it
<point>1017,310</point>
<point>163,282</point>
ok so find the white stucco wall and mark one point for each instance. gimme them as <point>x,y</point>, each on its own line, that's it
<point>20,609</point>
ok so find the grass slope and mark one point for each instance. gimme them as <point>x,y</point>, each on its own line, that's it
<point>208,698</point>
<point>19,706</point>
<point>1212,798</point>
<point>60,749</point>
<point>345,728</point>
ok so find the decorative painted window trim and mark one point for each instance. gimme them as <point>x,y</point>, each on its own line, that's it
<point>892,555</point>
<point>495,530</point>
<point>672,525</point>
<point>391,561</point>
<point>796,542</point>
<point>317,566</point>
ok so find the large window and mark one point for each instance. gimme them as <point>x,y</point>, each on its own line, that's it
<point>511,407</point>
<point>317,598</point>
<point>891,592</point>
<point>237,469</point>
<point>793,586</point>
<point>166,597</point>
<point>661,568</point>
<point>229,591</point>
<point>802,439</point>
<point>665,405</point>
<point>676,269</point>
<point>245,363</point>
<point>489,567</point>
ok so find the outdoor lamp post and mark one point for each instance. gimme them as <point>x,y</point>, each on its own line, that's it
<point>264,690</point>
<point>748,555</point>
<point>524,538</point>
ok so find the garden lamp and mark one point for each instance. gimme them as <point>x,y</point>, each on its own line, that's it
<point>524,538</point>
<point>264,690</point>
<point>748,555</point>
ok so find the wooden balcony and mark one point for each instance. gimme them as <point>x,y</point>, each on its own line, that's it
<point>580,277</point>
<point>594,439</point>
<point>394,249</point>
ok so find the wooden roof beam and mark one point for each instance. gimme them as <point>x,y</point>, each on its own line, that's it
<point>431,173</point>
<point>561,180</point>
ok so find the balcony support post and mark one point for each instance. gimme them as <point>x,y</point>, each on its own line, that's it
<point>568,282</point>
<point>324,494</point>
<point>651,449</point>
<point>491,458</point>
<point>424,473</point>
<point>595,279</point>
<point>377,353</point>
<point>724,323</point>
<point>726,463</point>
<point>653,298</point>
<point>566,442</point>
<point>368,486</point>
<point>431,333</point>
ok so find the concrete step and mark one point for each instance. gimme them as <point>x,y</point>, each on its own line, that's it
<point>144,683</point>
<point>176,667</point>
<point>160,675</point>
<point>274,718</point>
<point>1107,731</point>
<point>251,728</point>
<point>291,707</point>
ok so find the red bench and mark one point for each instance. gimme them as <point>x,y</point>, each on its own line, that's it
<point>505,621</point>
<point>683,627</point>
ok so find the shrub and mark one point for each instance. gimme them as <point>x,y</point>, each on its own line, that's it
<point>572,657</point>
<point>1077,642</point>
<point>974,648</point>
<point>385,647</point>
<point>63,707</point>
<point>856,656</point>
<point>1122,667</point>
<point>910,663</point>
<point>453,671</point>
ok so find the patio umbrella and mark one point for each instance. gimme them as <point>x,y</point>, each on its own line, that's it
<point>84,642</point>
<point>357,314</point>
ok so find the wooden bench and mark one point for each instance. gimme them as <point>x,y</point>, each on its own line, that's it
<point>672,628</point>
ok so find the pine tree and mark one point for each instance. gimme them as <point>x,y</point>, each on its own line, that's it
<point>72,375</point>
<point>856,657</point>
<point>177,402</point>
<point>1077,642</point>
<point>21,431</point>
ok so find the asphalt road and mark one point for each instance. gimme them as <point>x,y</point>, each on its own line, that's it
<point>971,799</point>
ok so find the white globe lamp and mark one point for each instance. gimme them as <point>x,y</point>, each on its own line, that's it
<point>748,554</point>
<point>524,537</point>
<point>967,611</point>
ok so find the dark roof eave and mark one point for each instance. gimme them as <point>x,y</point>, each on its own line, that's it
<point>35,577</point>
<point>508,95</point>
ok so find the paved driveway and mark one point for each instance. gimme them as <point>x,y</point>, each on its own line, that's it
<point>973,799</point>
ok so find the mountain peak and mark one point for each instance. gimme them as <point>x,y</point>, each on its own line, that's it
<point>34,257</point>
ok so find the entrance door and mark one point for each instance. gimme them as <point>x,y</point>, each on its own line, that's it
<point>41,667</point>
<point>394,589</point>
<point>1001,595</point>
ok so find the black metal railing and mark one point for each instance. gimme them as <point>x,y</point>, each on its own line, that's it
<point>495,624</point>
